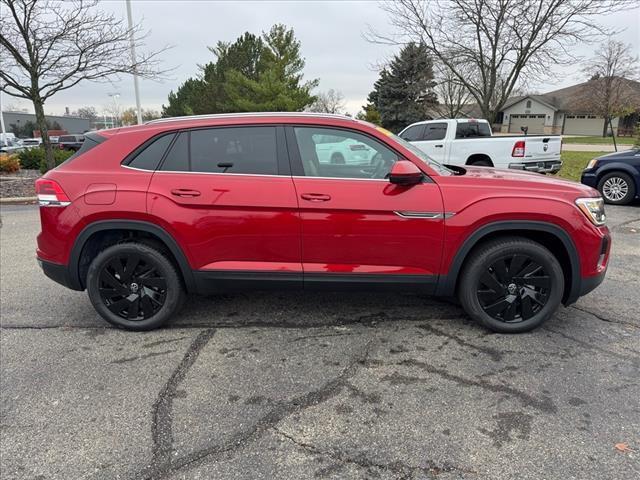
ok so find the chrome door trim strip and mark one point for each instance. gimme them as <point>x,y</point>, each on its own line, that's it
<point>424,215</point>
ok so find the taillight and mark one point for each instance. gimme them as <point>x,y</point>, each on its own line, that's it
<point>50,194</point>
<point>518,149</point>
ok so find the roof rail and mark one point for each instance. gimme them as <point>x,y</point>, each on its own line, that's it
<point>247,114</point>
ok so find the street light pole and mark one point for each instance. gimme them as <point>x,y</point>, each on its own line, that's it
<point>134,62</point>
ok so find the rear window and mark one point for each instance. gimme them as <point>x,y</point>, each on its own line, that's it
<point>472,130</point>
<point>91,140</point>
<point>150,156</point>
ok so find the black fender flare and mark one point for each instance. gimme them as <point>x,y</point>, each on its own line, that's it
<point>137,225</point>
<point>447,282</point>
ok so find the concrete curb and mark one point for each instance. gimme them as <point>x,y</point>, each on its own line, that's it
<point>18,200</point>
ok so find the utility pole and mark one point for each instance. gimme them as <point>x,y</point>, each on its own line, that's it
<point>134,63</point>
<point>114,97</point>
<point>2,130</point>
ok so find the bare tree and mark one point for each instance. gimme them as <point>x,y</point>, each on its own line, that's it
<point>453,95</point>
<point>331,101</point>
<point>609,92</point>
<point>489,45</point>
<point>90,113</point>
<point>49,46</point>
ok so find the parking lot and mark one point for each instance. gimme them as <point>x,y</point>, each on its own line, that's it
<point>284,385</point>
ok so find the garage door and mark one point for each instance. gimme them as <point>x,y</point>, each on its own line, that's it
<point>583,125</point>
<point>534,122</point>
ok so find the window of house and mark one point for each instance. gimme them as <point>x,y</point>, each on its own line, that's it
<point>528,104</point>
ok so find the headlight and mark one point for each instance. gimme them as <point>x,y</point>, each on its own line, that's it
<point>593,208</point>
<point>592,164</point>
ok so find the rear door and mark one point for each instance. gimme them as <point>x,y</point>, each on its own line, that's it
<point>432,141</point>
<point>227,194</point>
<point>357,227</point>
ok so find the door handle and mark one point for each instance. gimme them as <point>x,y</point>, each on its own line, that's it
<point>185,192</point>
<point>316,197</point>
<point>439,146</point>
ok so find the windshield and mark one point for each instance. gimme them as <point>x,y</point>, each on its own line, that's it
<point>441,169</point>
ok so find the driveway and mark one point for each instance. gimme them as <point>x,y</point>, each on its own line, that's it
<point>251,386</point>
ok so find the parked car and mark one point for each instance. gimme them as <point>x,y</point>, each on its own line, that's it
<point>30,143</point>
<point>470,142</point>
<point>143,215</point>
<point>616,176</point>
<point>9,143</point>
<point>70,142</point>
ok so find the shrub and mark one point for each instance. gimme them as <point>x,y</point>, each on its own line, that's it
<point>31,158</point>
<point>9,163</point>
<point>59,156</point>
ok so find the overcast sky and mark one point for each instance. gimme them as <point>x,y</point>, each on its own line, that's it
<point>331,33</point>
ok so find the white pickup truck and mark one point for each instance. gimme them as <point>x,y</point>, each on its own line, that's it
<point>470,142</point>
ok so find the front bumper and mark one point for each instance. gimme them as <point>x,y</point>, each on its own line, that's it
<point>547,166</point>
<point>589,178</point>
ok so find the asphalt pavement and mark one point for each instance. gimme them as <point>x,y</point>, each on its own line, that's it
<point>317,386</point>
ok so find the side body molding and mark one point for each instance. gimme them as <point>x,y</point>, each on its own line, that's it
<point>99,226</point>
<point>447,282</point>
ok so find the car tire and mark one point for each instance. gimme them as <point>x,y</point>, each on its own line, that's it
<point>617,188</point>
<point>134,286</point>
<point>511,285</point>
<point>337,159</point>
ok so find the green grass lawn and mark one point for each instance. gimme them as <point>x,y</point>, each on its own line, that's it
<point>599,140</point>
<point>574,162</point>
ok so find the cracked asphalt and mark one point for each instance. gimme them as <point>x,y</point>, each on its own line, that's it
<point>318,386</point>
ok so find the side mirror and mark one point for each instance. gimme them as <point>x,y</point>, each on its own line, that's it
<point>404,172</point>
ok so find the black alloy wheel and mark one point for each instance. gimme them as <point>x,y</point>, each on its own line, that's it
<point>511,284</point>
<point>513,288</point>
<point>134,286</point>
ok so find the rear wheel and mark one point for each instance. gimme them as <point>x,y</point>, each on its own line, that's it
<point>617,188</point>
<point>134,286</point>
<point>511,285</point>
<point>480,162</point>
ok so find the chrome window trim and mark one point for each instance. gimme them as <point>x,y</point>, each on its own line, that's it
<point>424,215</point>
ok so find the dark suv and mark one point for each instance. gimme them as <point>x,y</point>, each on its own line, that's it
<point>142,215</point>
<point>616,176</point>
<point>70,142</point>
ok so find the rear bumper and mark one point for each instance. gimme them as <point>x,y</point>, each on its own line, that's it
<point>59,274</point>
<point>547,166</point>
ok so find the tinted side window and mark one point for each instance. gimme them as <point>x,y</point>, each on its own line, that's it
<point>149,158</point>
<point>412,134</point>
<point>472,130</point>
<point>177,160</point>
<point>250,150</point>
<point>435,131</point>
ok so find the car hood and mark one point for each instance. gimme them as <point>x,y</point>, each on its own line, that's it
<point>496,179</point>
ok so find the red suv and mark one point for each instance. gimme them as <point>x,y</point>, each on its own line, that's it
<point>142,215</point>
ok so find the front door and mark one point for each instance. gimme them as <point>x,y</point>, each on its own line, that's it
<point>432,141</point>
<point>228,196</point>
<point>356,226</point>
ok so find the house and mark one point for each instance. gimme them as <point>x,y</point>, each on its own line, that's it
<point>563,112</point>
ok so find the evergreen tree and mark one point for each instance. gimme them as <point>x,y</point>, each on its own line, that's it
<point>405,89</point>
<point>251,74</point>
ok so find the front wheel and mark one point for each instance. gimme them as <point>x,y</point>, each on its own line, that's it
<point>134,286</point>
<point>617,188</point>
<point>511,285</point>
